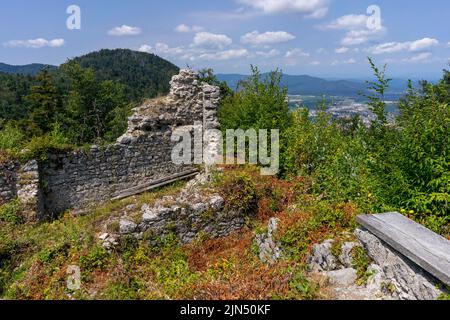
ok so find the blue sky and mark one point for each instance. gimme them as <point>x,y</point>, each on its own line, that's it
<point>328,38</point>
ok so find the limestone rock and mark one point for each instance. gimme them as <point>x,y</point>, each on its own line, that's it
<point>269,250</point>
<point>127,227</point>
<point>343,277</point>
<point>321,258</point>
<point>405,279</point>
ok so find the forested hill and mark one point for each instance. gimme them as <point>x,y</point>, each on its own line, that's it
<point>143,75</point>
<point>29,69</point>
<point>86,100</point>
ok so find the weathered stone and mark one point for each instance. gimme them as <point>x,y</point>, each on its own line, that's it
<point>269,250</point>
<point>343,277</point>
<point>407,280</point>
<point>321,258</point>
<point>127,227</point>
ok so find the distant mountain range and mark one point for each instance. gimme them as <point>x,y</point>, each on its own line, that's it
<point>29,69</point>
<point>308,85</point>
<point>130,68</point>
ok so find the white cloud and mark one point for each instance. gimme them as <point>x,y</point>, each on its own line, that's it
<point>340,62</point>
<point>266,38</point>
<point>342,50</point>
<point>296,53</point>
<point>355,37</point>
<point>423,44</point>
<point>182,28</point>
<point>268,54</point>
<point>356,29</point>
<point>315,63</point>
<point>124,30</point>
<point>421,57</point>
<point>206,39</point>
<point>411,46</point>
<point>225,55</point>
<point>348,22</point>
<point>146,48</point>
<point>35,43</point>
<point>311,8</point>
<point>163,49</point>
<point>322,51</point>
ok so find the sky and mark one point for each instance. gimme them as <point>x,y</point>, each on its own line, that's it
<point>326,38</point>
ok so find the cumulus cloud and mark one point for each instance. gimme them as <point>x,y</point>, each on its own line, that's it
<point>411,46</point>
<point>312,8</point>
<point>270,37</point>
<point>35,43</point>
<point>182,28</point>
<point>340,62</point>
<point>268,54</point>
<point>357,31</point>
<point>342,50</point>
<point>355,37</point>
<point>296,53</point>
<point>347,22</point>
<point>315,63</point>
<point>207,39</point>
<point>421,57</point>
<point>225,55</point>
<point>124,30</point>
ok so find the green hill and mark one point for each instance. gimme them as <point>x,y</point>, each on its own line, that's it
<point>29,69</point>
<point>143,75</point>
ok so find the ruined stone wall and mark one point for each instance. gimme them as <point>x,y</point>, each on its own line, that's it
<point>142,155</point>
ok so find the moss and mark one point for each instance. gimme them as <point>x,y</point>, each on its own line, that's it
<point>361,263</point>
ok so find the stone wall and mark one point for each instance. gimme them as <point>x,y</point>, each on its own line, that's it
<point>143,154</point>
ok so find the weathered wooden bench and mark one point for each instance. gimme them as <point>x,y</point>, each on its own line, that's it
<point>422,246</point>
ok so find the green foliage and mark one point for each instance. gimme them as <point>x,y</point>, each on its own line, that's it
<point>361,263</point>
<point>44,103</point>
<point>11,212</point>
<point>260,104</point>
<point>90,97</point>
<point>96,259</point>
<point>239,191</point>
<point>11,137</point>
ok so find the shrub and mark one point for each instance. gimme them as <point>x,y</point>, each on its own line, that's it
<point>98,258</point>
<point>11,212</point>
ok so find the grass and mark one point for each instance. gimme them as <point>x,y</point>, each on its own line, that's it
<point>34,258</point>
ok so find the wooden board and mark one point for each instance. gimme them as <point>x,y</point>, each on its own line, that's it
<point>427,249</point>
<point>154,184</point>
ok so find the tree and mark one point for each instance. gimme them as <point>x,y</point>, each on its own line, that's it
<point>260,104</point>
<point>44,104</point>
<point>89,104</point>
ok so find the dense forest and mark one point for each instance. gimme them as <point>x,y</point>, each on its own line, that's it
<point>86,100</point>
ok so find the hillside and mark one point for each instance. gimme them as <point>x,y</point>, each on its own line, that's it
<point>28,69</point>
<point>308,85</point>
<point>143,75</point>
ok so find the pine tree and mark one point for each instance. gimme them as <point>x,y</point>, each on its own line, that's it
<point>44,104</point>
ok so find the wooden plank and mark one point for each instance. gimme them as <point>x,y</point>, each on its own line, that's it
<point>422,246</point>
<point>155,184</point>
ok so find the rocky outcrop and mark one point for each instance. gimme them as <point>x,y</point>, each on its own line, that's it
<point>269,249</point>
<point>405,279</point>
<point>389,276</point>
